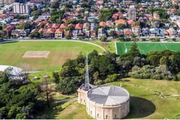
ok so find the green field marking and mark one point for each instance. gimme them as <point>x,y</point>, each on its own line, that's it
<point>147,47</point>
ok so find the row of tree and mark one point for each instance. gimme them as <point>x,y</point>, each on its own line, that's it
<point>110,67</point>
<point>18,101</point>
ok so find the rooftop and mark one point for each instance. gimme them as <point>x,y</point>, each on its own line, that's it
<point>108,95</point>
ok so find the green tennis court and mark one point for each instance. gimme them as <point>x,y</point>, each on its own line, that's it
<point>144,48</point>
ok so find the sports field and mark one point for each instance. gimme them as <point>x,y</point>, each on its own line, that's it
<point>144,48</point>
<point>43,55</point>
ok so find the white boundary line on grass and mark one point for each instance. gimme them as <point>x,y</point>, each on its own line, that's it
<point>57,41</point>
<point>116,47</point>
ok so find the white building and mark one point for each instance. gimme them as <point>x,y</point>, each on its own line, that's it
<point>132,13</point>
<point>21,8</point>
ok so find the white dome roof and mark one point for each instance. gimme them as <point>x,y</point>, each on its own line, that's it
<point>108,95</point>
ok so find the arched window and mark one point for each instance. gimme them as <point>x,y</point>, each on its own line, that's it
<point>106,116</point>
<point>97,115</point>
<point>115,116</point>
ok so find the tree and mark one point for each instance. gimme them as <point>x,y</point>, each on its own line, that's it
<point>105,14</point>
<point>102,39</point>
<point>56,77</point>
<point>47,90</point>
<point>66,86</point>
<point>121,26</point>
<point>55,5</point>
<point>120,38</point>
<point>134,50</point>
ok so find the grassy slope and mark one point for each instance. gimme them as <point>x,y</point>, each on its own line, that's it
<point>11,53</point>
<point>67,110</point>
<point>110,47</point>
<point>144,102</point>
<point>147,47</point>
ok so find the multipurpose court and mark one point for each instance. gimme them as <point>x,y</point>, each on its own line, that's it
<point>144,48</point>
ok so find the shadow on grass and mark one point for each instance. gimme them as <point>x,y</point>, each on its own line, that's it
<point>140,107</point>
<point>8,42</point>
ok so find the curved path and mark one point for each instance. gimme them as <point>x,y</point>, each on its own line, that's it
<point>56,40</point>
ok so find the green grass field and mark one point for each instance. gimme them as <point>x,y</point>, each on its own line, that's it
<point>144,103</point>
<point>144,48</point>
<point>60,51</point>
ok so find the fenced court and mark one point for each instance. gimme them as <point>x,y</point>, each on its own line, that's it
<point>144,48</point>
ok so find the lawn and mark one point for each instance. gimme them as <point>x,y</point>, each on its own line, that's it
<point>109,45</point>
<point>60,51</point>
<point>144,48</point>
<point>144,103</point>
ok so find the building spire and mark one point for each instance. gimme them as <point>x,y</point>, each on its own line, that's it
<point>87,74</point>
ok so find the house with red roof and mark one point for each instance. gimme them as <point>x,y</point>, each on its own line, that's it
<point>59,33</point>
<point>117,16</point>
<point>63,26</point>
<point>50,33</point>
<point>48,25</point>
<point>131,22</point>
<point>120,21</point>
<point>102,24</point>
<point>128,32</point>
<point>86,26</point>
<point>55,26</point>
<point>79,26</point>
<point>110,24</point>
<point>136,30</point>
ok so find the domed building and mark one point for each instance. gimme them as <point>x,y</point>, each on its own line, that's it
<point>104,102</point>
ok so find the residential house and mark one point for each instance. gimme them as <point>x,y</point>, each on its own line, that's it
<point>48,25</point>
<point>128,32</point>
<point>172,32</point>
<point>136,30</point>
<point>9,29</point>
<point>109,24</point>
<point>145,31</point>
<point>102,24</point>
<point>75,33</point>
<point>68,33</point>
<point>59,33</point>
<point>79,26</point>
<point>117,16</point>
<point>86,26</point>
<point>102,32</point>
<point>120,21</point>
<point>93,26</point>
<point>19,33</point>
<point>93,34</point>
<point>50,33</point>
<point>154,32</point>
<point>119,32</point>
<point>63,26</point>
<point>131,22</point>
<point>55,26</point>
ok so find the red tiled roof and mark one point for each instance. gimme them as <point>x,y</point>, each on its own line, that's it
<point>60,30</point>
<point>117,15</point>
<point>131,22</point>
<point>50,31</point>
<point>103,24</point>
<point>120,21</point>
<point>63,26</point>
<point>79,26</point>
<point>55,26</point>
<point>127,32</point>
